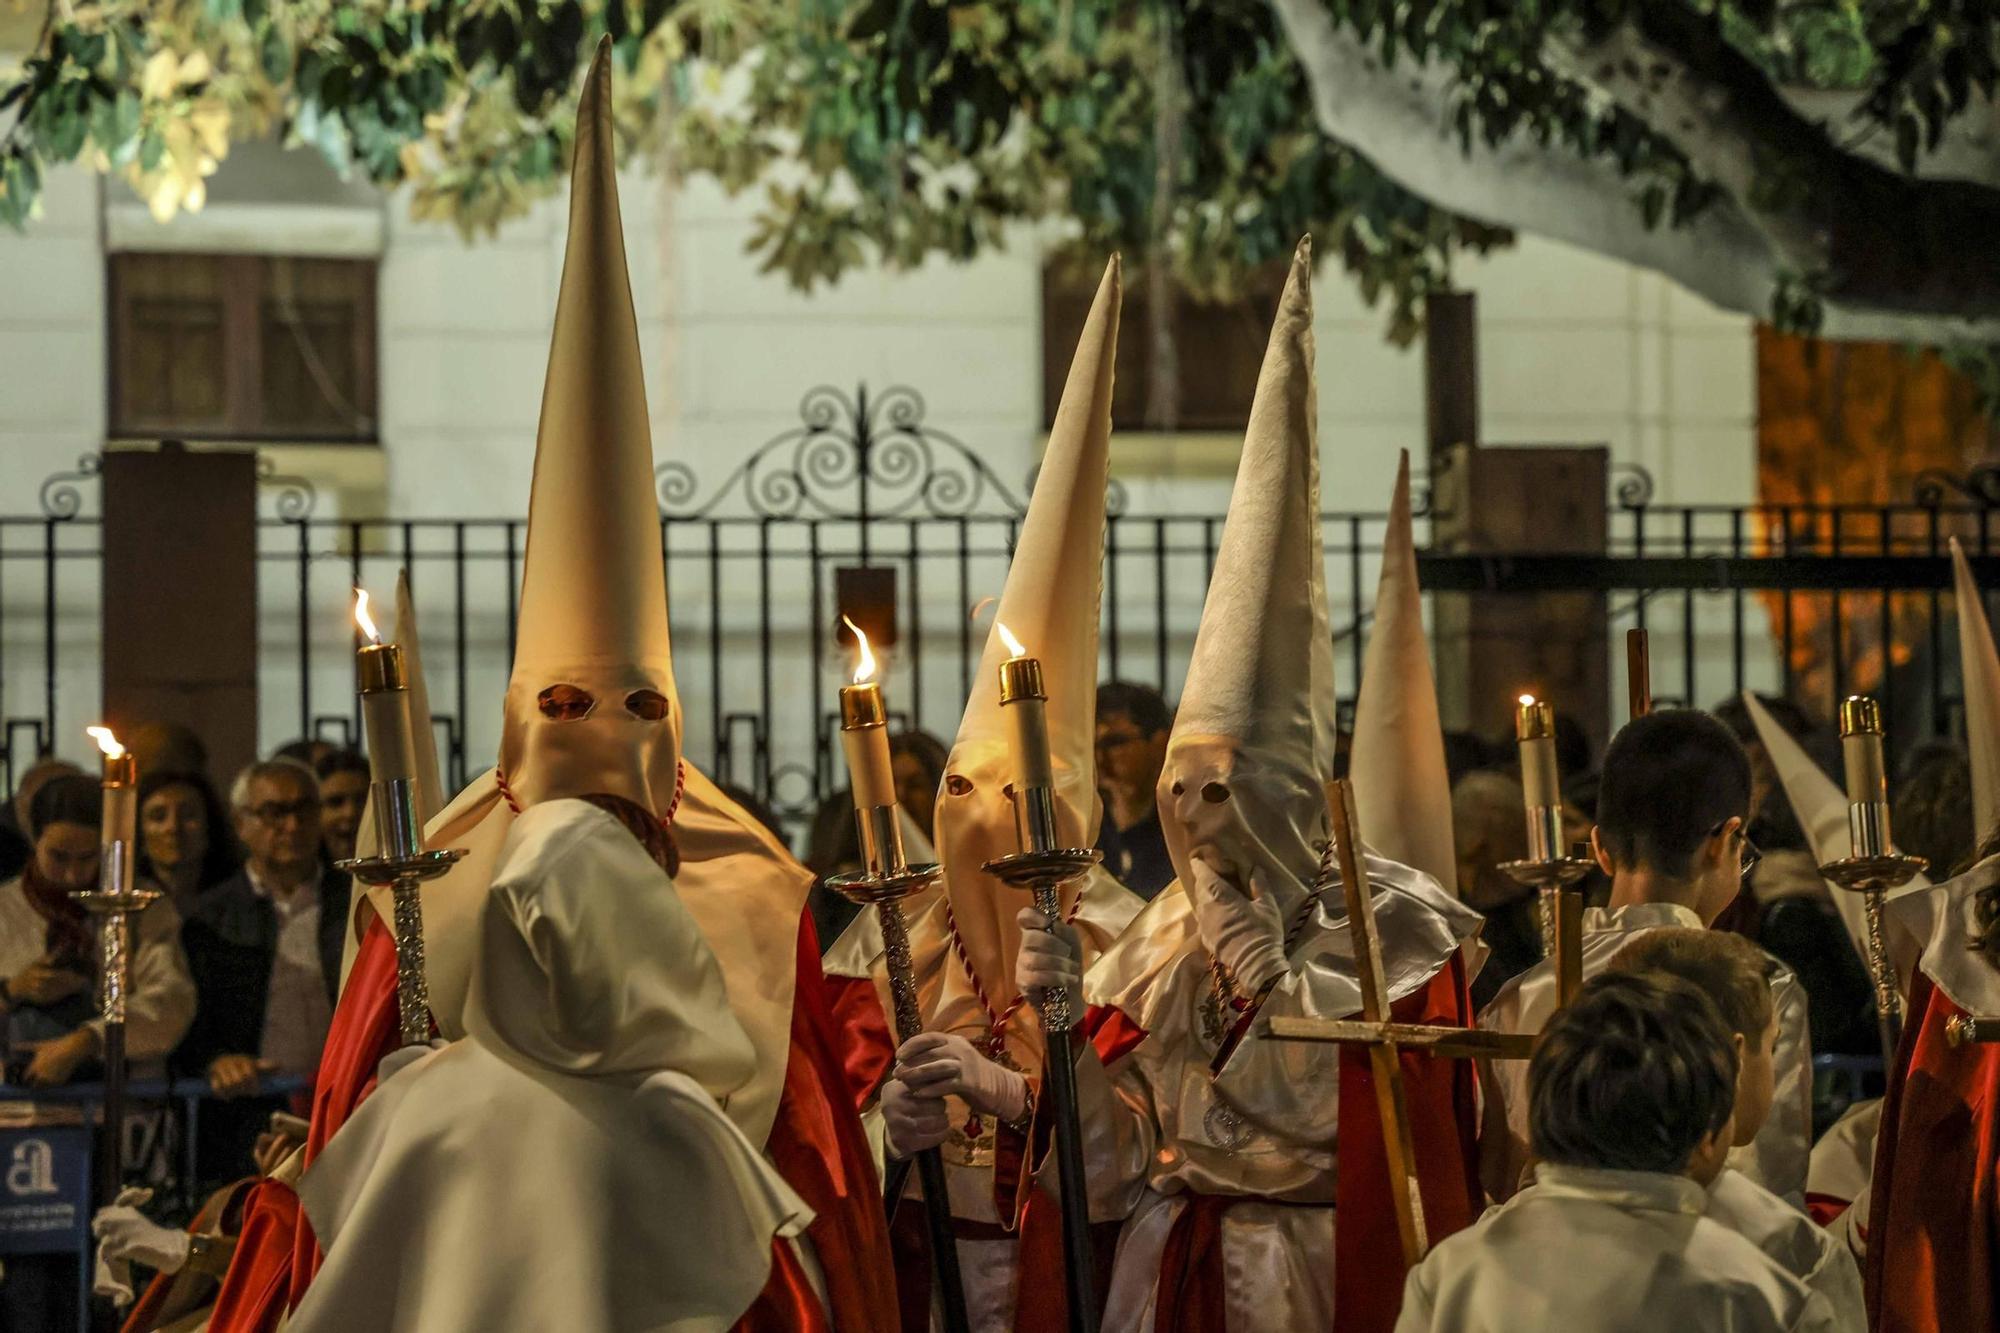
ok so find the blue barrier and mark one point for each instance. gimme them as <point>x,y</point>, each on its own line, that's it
<point>48,1178</point>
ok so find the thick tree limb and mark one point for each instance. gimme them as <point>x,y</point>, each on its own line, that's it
<point>1396,117</point>
<point>1880,239</point>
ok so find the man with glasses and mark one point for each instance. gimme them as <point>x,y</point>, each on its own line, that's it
<point>1671,816</point>
<point>1132,726</point>
<point>264,947</point>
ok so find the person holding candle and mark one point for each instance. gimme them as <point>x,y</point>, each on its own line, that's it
<point>961,1084</point>
<point>591,708</point>
<point>1249,1175</point>
<point>1929,1218</point>
<point>1671,810</point>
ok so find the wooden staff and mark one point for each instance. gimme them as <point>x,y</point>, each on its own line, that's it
<point>1638,673</point>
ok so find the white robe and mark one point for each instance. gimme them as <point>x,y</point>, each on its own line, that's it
<point>566,1164</point>
<point>1584,1251</point>
<point>1794,1242</point>
<point>1157,1125</point>
<point>1775,1159</point>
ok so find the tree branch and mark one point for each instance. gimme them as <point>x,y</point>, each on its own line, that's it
<point>1873,237</point>
<point>1396,118</point>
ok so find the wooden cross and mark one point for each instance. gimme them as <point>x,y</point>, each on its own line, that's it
<point>1384,1039</point>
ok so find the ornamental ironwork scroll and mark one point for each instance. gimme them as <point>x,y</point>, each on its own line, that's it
<point>862,457</point>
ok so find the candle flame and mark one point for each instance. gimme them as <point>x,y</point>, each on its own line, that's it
<point>362,618</point>
<point>1527,701</point>
<point>1014,645</point>
<point>864,666</point>
<point>106,742</point>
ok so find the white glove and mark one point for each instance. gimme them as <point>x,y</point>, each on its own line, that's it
<point>1049,959</point>
<point>911,1123</point>
<point>1240,925</point>
<point>126,1236</point>
<point>937,1065</point>
<point>396,1061</point>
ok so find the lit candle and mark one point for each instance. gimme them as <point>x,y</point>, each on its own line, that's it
<point>864,731</point>
<point>864,738</point>
<point>121,809</point>
<point>384,682</point>
<point>1025,702</point>
<point>1535,729</point>
<point>1867,779</point>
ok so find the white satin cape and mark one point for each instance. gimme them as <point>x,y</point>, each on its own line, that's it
<point>566,1164</point>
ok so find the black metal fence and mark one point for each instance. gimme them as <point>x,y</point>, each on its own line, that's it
<point>1809,601</point>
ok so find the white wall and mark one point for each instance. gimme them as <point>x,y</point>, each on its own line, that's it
<point>1573,349</point>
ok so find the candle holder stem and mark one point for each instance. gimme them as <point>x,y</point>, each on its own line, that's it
<point>404,875</point>
<point>884,886</point>
<point>1043,868</point>
<point>114,908</point>
<point>1873,876</point>
<point>1561,911</point>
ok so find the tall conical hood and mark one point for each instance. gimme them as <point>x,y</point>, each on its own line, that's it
<point>1050,603</point>
<point>430,788</point>
<point>1979,664</point>
<point>1253,738</point>
<point>1402,791</point>
<point>593,619</point>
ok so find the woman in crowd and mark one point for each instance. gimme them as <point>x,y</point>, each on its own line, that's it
<point>185,846</point>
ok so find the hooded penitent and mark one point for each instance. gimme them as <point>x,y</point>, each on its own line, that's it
<point>1979,663</point>
<point>1402,792</point>
<point>1253,739</point>
<point>1049,603</point>
<point>591,704</point>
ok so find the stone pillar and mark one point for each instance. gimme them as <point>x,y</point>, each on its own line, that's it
<point>1451,371</point>
<point>180,596</point>
<point>1545,500</point>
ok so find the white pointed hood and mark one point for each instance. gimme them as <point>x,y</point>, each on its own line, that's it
<point>1402,790</point>
<point>593,617</point>
<point>1050,603</point>
<point>1979,665</point>
<point>1253,740</point>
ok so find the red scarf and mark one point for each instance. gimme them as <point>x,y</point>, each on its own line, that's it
<point>69,941</point>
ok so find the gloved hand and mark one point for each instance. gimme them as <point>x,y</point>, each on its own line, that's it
<point>396,1061</point>
<point>912,1123</point>
<point>1240,924</point>
<point>126,1236</point>
<point>937,1065</point>
<point>1049,959</point>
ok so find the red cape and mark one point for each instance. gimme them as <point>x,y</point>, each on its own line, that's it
<point>1934,1222</point>
<point>817,1145</point>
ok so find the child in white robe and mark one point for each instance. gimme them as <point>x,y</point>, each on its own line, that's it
<point>1734,973</point>
<point>1631,1093</point>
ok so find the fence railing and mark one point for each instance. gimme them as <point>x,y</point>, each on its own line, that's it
<point>1810,601</point>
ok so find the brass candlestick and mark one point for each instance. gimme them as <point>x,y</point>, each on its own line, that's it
<point>1561,910</point>
<point>114,902</point>
<point>1042,867</point>
<point>1875,865</point>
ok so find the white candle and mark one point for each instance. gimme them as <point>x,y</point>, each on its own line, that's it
<point>1535,729</point>
<point>1025,702</point>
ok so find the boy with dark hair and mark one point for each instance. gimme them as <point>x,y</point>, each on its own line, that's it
<point>1632,1094</point>
<point>1733,973</point>
<point>1671,810</point>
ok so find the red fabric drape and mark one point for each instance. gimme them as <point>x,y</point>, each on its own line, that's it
<point>1191,1296</point>
<point>867,1041</point>
<point>818,1146</point>
<point>253,1295</point>
<point>1934,1225</point>
<point>1368,1265</point>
